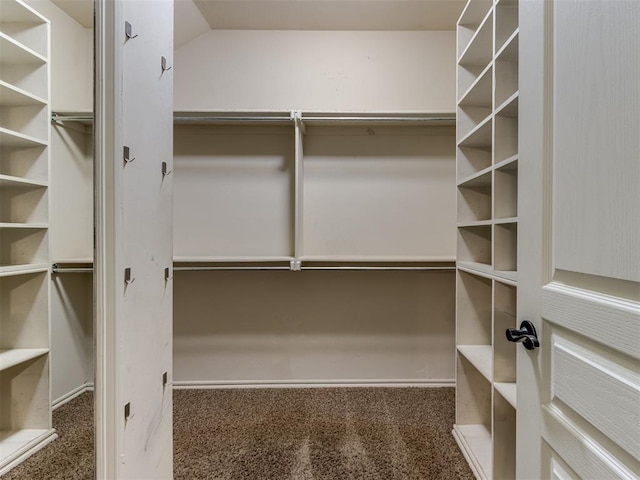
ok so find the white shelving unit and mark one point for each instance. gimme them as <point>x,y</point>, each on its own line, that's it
<point>296,187</point>
<point>25,425</point>
<point>487,179</point>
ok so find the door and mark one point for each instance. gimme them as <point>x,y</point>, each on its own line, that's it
<point>579,281</point>
<point>133,266</point>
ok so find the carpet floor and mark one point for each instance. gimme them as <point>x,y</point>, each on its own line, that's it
<point>282,434</point>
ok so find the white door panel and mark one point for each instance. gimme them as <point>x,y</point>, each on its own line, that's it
<point>580,268</point>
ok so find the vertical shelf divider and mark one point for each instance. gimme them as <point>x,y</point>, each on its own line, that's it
<point>487,173</point>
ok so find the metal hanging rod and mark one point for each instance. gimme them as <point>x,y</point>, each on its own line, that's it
<point>391,119</point>
<point>57,270</point>
<point>389,269</point>
<point>229,268</point>
<point>87,118</point>
<point>231,119</point>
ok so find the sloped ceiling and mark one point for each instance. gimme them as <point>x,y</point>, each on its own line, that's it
<point>331,14</point>
<point>195,17</point>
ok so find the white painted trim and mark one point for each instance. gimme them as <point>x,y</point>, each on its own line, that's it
<point>73,394</point>
<point>406,383</point>
<point>475,467</point>
<point>29,449</point>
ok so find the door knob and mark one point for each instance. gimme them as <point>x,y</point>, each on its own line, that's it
<point>526,334</point>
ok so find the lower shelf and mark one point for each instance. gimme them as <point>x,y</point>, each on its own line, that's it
<point>475,443</point>
<point>508,391</point>
<point>15,445</point>
<point>16,356</point>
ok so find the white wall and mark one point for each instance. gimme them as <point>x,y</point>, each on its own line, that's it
<point>71,59</point>
<point>313,326</point>
<point>71,333</point>
<point>317,70</point>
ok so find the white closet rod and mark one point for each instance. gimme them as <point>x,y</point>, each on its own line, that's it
<point>58,270</point>
<point>390,269</point>
<point>398,119</point>
<point>58,117</point>
<point>222,119</point>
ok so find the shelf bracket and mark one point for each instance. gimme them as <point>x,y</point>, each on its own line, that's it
<point>295,265</point>
<point>296,116</point>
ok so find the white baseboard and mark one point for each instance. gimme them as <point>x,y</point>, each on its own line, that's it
<point>76,392</point>
<point>211,384</point>
<point>28,450</point>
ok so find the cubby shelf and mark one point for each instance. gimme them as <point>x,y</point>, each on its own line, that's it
<point>37,226</point>
<point>25,423</point>
<point>17,12</point>
<point>487,271</point>
<point>15,53</point>
<point>12,96</point>
<point>478,51</point>
<point>16,356</point>
<point>8,181</point>
<point>478,137</point>
<point>481,357</point>
<point>475,443</point>
<point>509,391</point>
<point>479,93</point>
<point>10,138</point>
<point>11,270</point>
<point>487,178</point>
<point>15,443</point>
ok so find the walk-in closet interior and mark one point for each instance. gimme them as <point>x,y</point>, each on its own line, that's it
<point>345,206</point>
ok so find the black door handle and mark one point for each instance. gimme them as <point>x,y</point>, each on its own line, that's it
<point>526,334</point>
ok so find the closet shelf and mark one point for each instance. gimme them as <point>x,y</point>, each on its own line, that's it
<point>480,136</point>
<point>15,443</point>
<point>505,221</point>
<point>35,226</point>
<point>479,93</point>
<point>474,12</point>
<point>509,51</point>
<point>479,47</point>
<point>508,164</point>
<point>477,180</point>
<point>9,138</point>
<point>481,357</point>
<point>477,440</point>
<point>487,271</point>
<point>477,223</point>
<point>509,391</point>
<point>10,181</point>
<point>509,107</point>
<point>17,12</point>
<point>12,96</point>
<point>11,358</point>
<point>15,53</point>
<point>11,270</point>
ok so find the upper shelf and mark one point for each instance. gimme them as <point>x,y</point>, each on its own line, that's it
<point>9,138</point>
<point>13,357</point>
<point>12,96</point>
<point>14,53</point>
<point>15,11</point>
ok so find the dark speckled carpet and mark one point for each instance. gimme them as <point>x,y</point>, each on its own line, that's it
<point>282,434</point>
